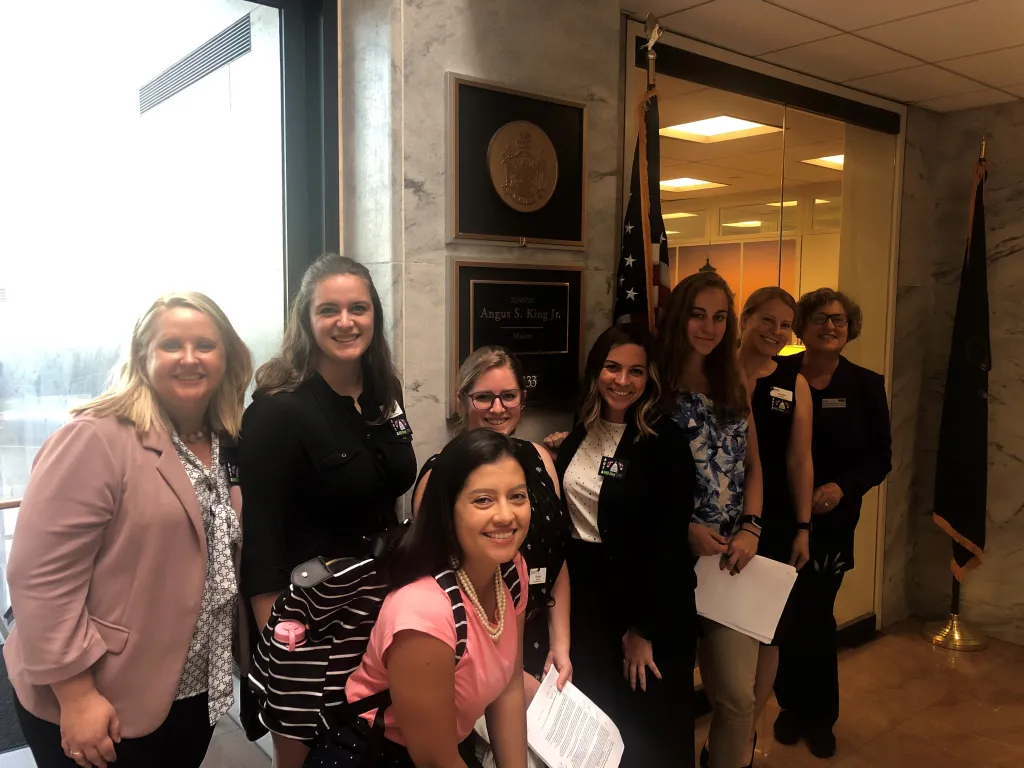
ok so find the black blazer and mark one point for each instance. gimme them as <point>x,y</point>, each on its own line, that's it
<point>643,519</point>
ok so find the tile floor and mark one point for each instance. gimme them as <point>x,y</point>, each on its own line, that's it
<point>904,704</point>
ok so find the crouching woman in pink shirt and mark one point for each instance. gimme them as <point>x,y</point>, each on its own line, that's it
<point>473,518</point>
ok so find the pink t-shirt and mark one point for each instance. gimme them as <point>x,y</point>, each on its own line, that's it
<point>481,675</point>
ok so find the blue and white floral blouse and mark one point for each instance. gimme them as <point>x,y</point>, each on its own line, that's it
<point>719,451</point>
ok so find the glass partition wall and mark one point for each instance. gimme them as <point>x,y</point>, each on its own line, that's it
<point>769,194</point>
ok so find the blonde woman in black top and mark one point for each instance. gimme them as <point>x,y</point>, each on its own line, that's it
<point>326,448</point>
<point>781,407</point>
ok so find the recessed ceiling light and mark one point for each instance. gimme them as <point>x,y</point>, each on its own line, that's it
<point>671,232</point>
<point>687,184</point>
<point>832,162</point>
<point>679,215</point>
<point>744,224</point>
<point>713,129</point>
<point>818,201</point>
<point>784,204</point>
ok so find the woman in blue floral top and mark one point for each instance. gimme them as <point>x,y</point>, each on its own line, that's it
<point>707,400</point>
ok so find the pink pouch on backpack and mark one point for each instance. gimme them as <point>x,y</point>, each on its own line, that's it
<point>291,633</point>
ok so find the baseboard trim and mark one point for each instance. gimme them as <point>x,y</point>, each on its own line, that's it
<point>857,631</point>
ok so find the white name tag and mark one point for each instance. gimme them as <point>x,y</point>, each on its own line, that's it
<point>833,402</point>
<point>782,394</point>
<point>538,576</point>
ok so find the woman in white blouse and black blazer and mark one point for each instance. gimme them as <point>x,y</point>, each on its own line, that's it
<point>614,487</point>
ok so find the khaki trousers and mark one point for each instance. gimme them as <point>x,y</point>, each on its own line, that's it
<point>728,665</point>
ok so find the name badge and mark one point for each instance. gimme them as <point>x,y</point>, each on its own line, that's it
<point>538,576</point>
<point>612,467</point>
<point>833,402</point>
<point>782,400</point>
<point>229,460</point>
<point>400,426</point>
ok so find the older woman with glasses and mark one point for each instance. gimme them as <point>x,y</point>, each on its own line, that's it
<point>851,452</point>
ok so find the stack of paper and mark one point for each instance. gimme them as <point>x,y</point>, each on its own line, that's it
<point>750,602</point>
<point>567,730</point>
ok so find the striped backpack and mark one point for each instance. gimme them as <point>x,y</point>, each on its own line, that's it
<point>301,692</point>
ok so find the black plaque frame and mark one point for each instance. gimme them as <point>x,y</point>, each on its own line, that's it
<point>552,375</point>
<point>476,109</point>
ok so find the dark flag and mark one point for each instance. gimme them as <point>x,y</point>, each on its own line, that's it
<point>642,283</point>
<point>961,472</point>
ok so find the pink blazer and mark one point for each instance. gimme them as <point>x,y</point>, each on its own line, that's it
<point>106,571</point>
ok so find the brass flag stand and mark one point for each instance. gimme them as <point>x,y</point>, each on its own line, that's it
<point>953,634</point>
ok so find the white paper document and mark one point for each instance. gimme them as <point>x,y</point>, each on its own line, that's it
<point>567,730</point>
<point>750,602</point>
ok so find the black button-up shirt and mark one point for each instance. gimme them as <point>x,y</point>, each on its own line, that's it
<point>318,478</point>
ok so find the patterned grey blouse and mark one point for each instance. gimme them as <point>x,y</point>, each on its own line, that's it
<point>208,665</point>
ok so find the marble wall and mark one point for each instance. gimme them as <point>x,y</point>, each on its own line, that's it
<point>937,180</point>
<point>574,54</point>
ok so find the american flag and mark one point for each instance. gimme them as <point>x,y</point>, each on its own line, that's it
<point>641,282</point>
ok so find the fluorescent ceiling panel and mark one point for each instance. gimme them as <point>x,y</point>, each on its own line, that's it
<point>833,162</point>
<point>715,129</point>
<point>688,185</point>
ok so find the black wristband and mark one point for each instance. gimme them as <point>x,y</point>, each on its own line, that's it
<point>803,526</point>
<point>752,520</point>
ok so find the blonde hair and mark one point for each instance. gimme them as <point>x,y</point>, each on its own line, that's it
<point>479,362</point>
<point>132,396</point>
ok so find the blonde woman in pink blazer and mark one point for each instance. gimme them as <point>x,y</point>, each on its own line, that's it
<point>122,571</point>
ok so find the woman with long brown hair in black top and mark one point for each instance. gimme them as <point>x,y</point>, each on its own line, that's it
<point>326,447</point>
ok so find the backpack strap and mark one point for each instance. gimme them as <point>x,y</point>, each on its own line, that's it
<point>447,581</point>
<point>510,574</point>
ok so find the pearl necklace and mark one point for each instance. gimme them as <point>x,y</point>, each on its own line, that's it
<point>494,631</point>
<point>193,437</point>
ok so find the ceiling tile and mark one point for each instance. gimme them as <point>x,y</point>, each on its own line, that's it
<point>983,98</point>
<point>962,30</point>
<point>863,13</point>
<point>1018,89</point>
<point>751,27</point>
<point>996,68</point>
<point>840,58</point>
<point>640,8</point>
<point>915,84</point>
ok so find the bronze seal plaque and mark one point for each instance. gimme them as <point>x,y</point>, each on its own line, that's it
<point>523,165</point>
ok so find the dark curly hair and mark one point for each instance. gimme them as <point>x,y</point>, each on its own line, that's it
<point>811,302</point>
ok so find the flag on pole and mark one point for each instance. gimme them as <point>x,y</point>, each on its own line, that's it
<point>641,282</point>
<point>961,472</point>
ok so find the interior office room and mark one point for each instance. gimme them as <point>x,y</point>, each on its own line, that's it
<point>222,145</point>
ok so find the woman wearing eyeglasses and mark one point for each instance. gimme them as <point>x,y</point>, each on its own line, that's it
<point>490,396</point>
<point>851,450</point>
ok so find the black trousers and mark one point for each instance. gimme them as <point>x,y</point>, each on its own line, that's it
<point>656,725</point>
<point>807,682</point>
<point>180,741</point>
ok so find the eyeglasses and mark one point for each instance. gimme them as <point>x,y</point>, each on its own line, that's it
<point>820,318</point>
<point>483,401</point>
